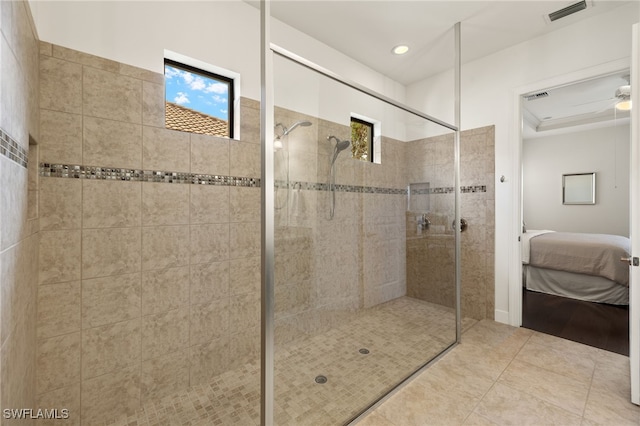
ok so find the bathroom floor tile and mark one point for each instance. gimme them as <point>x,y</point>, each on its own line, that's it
<point>498,375</point>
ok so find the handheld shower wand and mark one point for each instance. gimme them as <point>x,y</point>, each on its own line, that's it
<point>337,149</point>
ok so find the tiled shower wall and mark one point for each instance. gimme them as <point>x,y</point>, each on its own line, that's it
<point>430,256</point>
<point>329,269</point>
<point>148,283</point>
<point>18,206</point>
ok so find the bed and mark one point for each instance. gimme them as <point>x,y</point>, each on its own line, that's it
<point>576,265</point>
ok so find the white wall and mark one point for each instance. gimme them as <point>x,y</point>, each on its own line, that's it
<point>223,33</point>
<point>544,161</point>
<point>488,97</point>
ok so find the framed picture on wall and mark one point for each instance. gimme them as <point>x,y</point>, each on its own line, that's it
<point>579,188</point>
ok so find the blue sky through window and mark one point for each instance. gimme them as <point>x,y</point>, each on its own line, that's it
<point>197,92</point>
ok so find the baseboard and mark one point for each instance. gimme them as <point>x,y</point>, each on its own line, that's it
<point>501,316</point>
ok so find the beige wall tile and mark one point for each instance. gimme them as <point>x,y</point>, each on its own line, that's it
<point>14,95</point>
<point>18,358</point>
<point>208,360</point>
<point>209,243</point>
<point>112,394</point>
<point>165,204</point>
<point>60,204</point>
<point>58,362</point>
<point>244,276</point>
<point>153,104</point>
<point>164,289</point>
<point>111,143</point>
<point>244,240</point>
<point>209,281</point>
<point>110,348</point>
<point>13,202</point>
<point>107,300</point>
<point>245,346</point>
<point>84,58</point>
<point>244,159</point>
<point>60,85</point>
<point>108,204</point>
<point>164,149</point>
<point>58,309</point>
<point>165,333</point>
<point>245,204</point>
<point>209,204</point>
<point>208,321</point>
<point>249,121</point>
<point>303,165</point>
<point>112,96</point>
<point>141,73</point>
<point>59,256</point>
<point>244,312</point>
<point>46,48</point>
<point>164,376</point>
<point>110,251</point>
<point>68,398</point>
<point>18,278</point>
<point>209,155</point>
<point>165,247</point>
<point>60,137</point>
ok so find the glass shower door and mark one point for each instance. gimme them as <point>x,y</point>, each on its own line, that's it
<point>365,285</point>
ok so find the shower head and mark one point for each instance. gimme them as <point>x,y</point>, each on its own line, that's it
<point>296,124</point>
<point>286,131</point>
<point>342,145</point>
<point>338,147</point>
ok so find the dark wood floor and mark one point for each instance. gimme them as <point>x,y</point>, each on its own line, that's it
<point>594,324</point>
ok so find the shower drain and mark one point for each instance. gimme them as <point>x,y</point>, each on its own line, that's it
<point>364,351</point>
<point>321,380</point>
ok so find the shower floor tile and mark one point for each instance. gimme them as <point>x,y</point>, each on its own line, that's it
<point>400,336</point>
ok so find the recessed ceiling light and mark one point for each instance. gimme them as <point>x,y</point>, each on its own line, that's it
<point>400,49</point>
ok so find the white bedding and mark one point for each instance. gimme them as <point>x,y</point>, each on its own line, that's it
<point>525,246</point>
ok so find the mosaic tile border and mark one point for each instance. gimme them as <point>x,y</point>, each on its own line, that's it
<point>137,175</point>
<point>12,150</point>
<point>75,171</point>
<point>316,186</point>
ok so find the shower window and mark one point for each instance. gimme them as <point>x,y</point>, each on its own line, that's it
<point>198,101</point>
<point>362,134</point>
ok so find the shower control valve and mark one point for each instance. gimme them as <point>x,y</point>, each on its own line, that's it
<point>423,221</point>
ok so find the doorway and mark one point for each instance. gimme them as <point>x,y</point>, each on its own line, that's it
<point>571,126</point>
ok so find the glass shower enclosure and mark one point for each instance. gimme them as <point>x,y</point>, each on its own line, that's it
<point>359,255</point>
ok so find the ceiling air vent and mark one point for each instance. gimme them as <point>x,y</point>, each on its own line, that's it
<point>536,96</point>
<point>569,10</point>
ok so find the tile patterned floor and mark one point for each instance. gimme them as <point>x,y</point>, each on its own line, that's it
<point>400,336</point>
<point>498,375</point>
<point>501,375</point>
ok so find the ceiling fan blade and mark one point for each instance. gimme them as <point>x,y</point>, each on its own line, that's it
<point>613,99</point>
<point>611,106</point>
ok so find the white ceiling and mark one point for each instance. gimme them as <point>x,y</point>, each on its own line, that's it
<point>367,30</point>
<point>590,102</point>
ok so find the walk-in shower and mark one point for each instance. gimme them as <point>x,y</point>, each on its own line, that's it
<point>158,250</point>
<point>338,147</point>
<point>345,333</point>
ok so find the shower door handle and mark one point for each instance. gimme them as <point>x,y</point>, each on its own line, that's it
<point>463,225</point>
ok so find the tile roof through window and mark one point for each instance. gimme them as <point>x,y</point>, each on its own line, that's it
<point>184,119</point>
